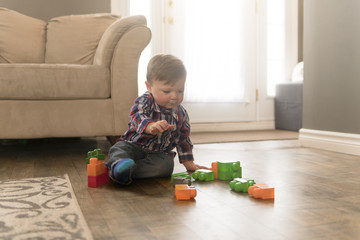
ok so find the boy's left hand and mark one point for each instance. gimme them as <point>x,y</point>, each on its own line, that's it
<point>191,166</point>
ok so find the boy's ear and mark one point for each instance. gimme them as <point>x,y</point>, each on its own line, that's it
<point>148,86</point>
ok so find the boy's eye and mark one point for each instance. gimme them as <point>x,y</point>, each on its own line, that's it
<point>165,91</point>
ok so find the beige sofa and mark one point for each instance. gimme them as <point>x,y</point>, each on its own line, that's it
<point>74,76</point>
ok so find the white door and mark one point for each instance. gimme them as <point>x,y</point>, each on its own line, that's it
<point>227,47</point>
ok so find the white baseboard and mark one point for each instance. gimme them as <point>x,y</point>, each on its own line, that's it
<point>331,141</point>
<point>232,126</point>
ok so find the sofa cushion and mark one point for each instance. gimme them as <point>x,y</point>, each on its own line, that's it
<point>53,81</point>
<point>73,39</point>
<point>22,38</point>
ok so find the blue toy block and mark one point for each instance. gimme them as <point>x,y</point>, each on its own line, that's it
<point>241,184</point>
<point>204,175</point>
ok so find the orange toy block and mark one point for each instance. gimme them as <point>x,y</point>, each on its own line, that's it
<point>95,167</point>
<point>184,192</point>
<point>214,167</point>
<point>262,191</point>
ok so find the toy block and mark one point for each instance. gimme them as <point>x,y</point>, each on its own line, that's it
<point>204,175</point>
<point>95,167</point>
<point>229,170</point>
<point>184,192</point>
<point>214,167</point>
<point>96,153</point>
<point>181,180</point>
<point>241,184</point>
<point>181,174</point>
<point>95,181</point>
<point>262,191</point>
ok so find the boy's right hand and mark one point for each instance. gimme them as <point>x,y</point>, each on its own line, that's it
<point>154,128</point>
<point>191,166</point>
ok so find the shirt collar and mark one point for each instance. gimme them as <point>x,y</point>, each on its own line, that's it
<point>165,111</point>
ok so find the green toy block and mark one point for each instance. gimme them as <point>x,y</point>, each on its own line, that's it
<point>96,153</point>
<point>204,175</point>
<point>241,184</point>
<point>229,170</point>
<point>181,174</point>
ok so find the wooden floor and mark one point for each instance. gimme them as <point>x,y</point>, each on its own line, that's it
<point>317,193</point>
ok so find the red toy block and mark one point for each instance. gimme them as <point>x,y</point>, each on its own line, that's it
<point>262,191</point>
<point>95,167</point>
<point>95,181</point>
<point>184,192</point>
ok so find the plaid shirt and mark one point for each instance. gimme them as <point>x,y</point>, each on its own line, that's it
<point>145,111</point>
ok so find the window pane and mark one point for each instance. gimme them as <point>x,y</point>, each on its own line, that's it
<point>214,50</point>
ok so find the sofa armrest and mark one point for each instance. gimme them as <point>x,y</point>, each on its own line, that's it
<point>124,73</point>
<point>112,35</point>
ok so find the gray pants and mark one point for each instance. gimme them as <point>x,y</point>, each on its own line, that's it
<point>148,164</point>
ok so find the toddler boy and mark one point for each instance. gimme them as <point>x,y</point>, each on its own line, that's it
<point>158,124</point>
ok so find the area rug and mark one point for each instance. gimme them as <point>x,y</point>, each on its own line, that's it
<point>41,208</point>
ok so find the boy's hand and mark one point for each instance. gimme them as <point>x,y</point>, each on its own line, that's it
<point>191,166</point>
<point>155,128</point>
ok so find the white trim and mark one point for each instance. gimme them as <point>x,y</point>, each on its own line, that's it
<point>332,141</point>
<point>232,126</point>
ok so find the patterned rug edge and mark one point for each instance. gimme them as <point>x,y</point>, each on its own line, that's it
<point>86,227</point>
<point>41,208</point>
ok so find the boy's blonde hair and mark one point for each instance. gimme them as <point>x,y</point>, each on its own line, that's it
<point>165,68</point>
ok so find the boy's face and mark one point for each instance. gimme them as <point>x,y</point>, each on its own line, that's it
<point>167,95</point>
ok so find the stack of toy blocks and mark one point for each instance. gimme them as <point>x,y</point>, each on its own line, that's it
<point>204,175</point>
<point>184,192</point>
<point>241,184</point>
<point>97,173</point>
<point>262,191</point>
<point>96,153</point>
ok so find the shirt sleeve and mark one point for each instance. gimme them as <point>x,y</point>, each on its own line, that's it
<point>140,114</point>
<point>185,146</point>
